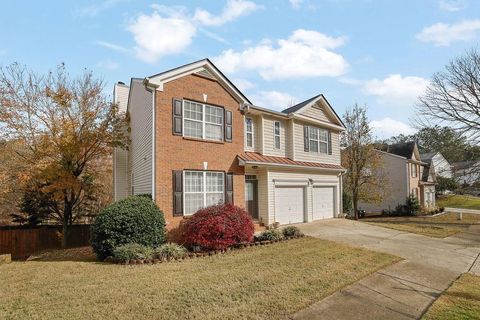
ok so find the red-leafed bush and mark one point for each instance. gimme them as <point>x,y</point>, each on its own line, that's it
<point>219,227</point>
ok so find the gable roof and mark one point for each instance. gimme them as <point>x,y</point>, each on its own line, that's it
<point>310,102</point>
<point>428,156</point>
<point>203,67</point>
<point>400,149</point>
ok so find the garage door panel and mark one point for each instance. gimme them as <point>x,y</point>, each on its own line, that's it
<point>289,204</point>
<point>323,203</point>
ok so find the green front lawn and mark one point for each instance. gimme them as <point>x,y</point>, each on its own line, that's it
<point>459,201</point>
<point>266,282</point>
<point>461,301</point>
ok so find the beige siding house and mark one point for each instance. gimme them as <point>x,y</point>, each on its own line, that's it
<point>196,140</point>
<point>406,175</point>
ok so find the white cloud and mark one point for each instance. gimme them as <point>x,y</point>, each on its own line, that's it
<point>452,5</point>
<point>233,10</point>
<point>156,35</point>
<point>296,3</point>
<point>396,89</point>
<point>273,100</point>
<point>112,46</point>
<point>305,53</point>
<point>108,64</point>
<point>387,127</point>
<point>213,36</point>
<point>243,84</point>
<point>443,34</point>
<point>99,7</point>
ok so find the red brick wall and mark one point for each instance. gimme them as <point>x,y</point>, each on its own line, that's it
<point>179,153</point>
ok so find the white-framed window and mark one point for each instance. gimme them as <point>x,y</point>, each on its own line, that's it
<point>414,170</point>
<point>202,121</point>
<point>317,140</point>
<point>249,132</point>
<point>202,189</point>
<point>276,134</point>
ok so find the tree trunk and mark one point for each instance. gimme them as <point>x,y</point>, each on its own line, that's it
<point>64,233</point>
<point>355,206</point>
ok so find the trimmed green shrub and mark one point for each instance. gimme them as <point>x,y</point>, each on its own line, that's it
<point>291,231</point>
<point>131,220</point>
<point>132,251</point>
<point>170,251</point>
<point>412,205</point>
<point>270,235</point>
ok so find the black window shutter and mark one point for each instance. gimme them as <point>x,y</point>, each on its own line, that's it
<point>177,117</point>
<point>329,142</point>
<point>229,188</point>
<point>177,193</point>
<point>305,139</point>
<point>228,125</point>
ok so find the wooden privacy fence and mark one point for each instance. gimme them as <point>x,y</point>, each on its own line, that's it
<point>22,242</point>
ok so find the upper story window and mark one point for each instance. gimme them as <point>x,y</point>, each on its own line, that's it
<point>249,132</point>
<point>414,170</point>
<point>202,121</point>
<point>317,140</point>
<point>276,134</point>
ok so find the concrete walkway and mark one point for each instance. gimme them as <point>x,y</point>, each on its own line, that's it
<point>404,290</point>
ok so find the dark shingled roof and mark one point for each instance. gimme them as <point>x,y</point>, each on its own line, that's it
<point>400,149</point>
<point>300,105</point>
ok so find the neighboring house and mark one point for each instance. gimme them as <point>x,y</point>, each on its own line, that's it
<point>466,173</point>
<point>441,166</point>
<point>196,140</point>
<point>406,175</point>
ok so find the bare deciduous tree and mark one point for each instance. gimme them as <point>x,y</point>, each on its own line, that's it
<point>453,97</point>
<point>67,126</point>
<point>364,179</point>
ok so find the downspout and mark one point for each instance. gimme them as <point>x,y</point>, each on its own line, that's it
<point>153,143</point>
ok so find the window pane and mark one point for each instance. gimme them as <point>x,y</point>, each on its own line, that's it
<point>277,142</point>
<point>277,128</point>
<point>214,198</point>
<point>214,114</point>
<point>323,147</point>
<point>249,125</point>
<point>193,129</point>
<point>313,133</point>
<point>249,140</point>
<point>193,110</point>
<point>193,202</point>
<point>313,146</point>
<point>213,132</point>
<point>323,135</point>
<point>193,181</point>
<point>215,182</point>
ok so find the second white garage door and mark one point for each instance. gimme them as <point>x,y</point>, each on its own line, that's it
<point>323,200</point>
<point>289,205</point>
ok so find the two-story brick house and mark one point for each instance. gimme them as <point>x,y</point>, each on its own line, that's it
<point>196,140</point>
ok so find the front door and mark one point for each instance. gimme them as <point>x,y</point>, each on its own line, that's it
<point>251,199</point>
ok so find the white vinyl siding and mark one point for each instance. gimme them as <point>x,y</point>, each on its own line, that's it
<point>140,109</point>
<point>202,121</point>
<point>316,112</point>
<point>301,155</point>
<point>202,189</point>
<point>269,147</point>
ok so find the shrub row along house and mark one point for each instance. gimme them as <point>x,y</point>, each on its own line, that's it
<point>196,140</point>
<point>406,175</point>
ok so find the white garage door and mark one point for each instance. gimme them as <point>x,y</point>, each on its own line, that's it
<point>289,204</point>
<point>323,200</point>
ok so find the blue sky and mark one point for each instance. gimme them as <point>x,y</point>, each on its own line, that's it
<point>379,53</point>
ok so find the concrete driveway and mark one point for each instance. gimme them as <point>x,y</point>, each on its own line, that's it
<point>404,290</point>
